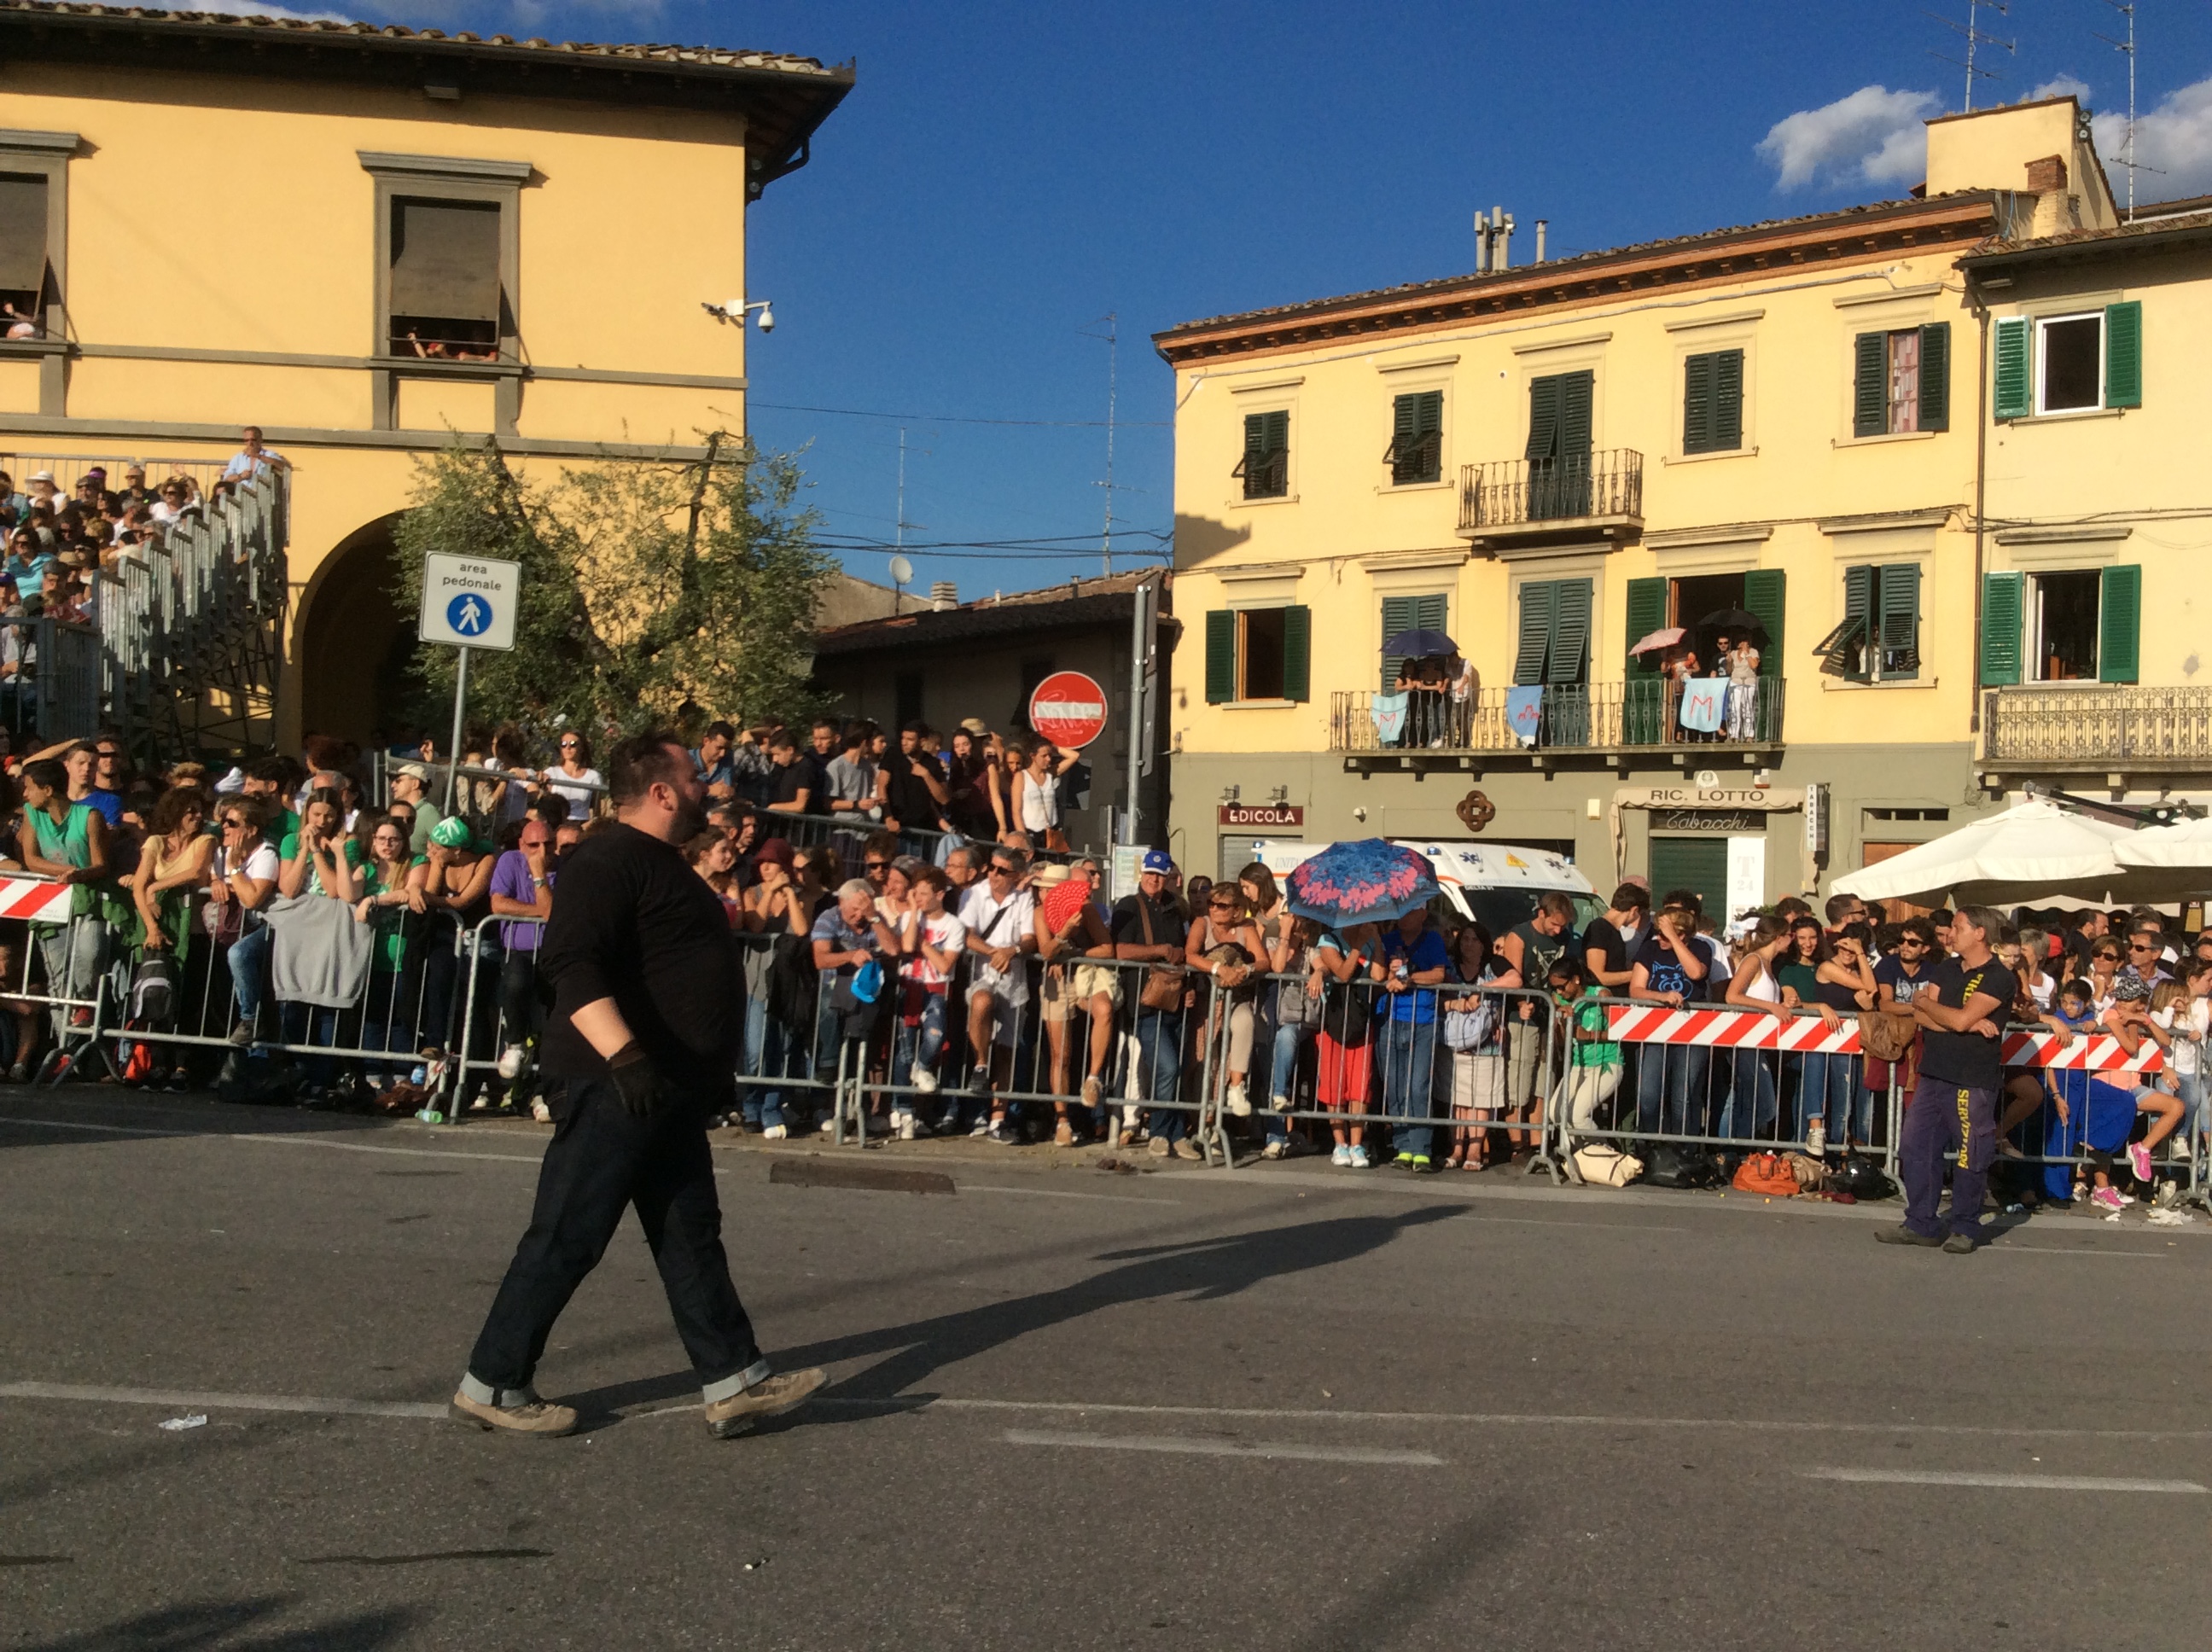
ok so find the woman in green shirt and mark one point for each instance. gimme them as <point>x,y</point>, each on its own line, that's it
<point>319,858</point>
<point>391,898</point>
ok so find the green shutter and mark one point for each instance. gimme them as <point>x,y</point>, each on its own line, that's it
<point>1539,601</point>
<point>1543,417</point>
<point>1220,656</point>
<point>1898,640</point>
<point>1417,422</point>
<point>1840,651</point>
<point>1646,608</point>
<point>1255,443</point>
<point>1571,633</point>
<point>1727,401</point>
<point>2014,390</point>
<point>1433,611</point>
<point>1762,589</point>
<point>1576,391</point>
<point>2123,355</point>
<point>2119,624</point>
<point>1934,379</point>
<point>2001,606</point>
<point>1870,385</point>
<point>1697,404</point>
<point>1399,614</point>
<point>1297,652</point>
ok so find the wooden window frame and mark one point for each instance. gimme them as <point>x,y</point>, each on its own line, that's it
<point>46,154</point>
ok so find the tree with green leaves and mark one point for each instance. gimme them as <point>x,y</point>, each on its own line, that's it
<point>651,590</point>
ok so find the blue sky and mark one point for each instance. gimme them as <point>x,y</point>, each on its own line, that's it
<point>1005,175</point>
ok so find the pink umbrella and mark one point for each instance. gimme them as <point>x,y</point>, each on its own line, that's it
<point>1665,637</point>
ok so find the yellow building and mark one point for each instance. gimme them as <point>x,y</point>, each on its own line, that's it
<point>362,240</point>
<point>1551,463</point>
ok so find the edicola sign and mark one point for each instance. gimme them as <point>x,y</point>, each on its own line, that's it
<point>468,602</point>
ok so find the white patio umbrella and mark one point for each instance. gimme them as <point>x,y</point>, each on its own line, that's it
<point>2034,849</point>
<point>2185,844</point>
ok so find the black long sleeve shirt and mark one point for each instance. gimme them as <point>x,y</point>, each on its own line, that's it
<point>633,923</point>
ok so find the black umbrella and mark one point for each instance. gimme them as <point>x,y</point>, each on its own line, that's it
<point>1734,622</point>
<point>1420,645</point>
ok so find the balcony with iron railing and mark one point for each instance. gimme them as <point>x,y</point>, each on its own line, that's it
<point>1593,718</point>
<point>2096,728</point>
<point>1593,494</point>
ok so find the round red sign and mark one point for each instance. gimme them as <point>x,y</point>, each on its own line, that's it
<point>1068,709</point>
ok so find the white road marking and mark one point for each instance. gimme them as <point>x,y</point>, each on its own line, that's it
<point>2000,1482</point>
<point>280,1137</point>
<point>1186,1446</point>
<point>184,1399</point>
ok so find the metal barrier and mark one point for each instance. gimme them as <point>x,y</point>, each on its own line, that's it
<point>2064,1071</point>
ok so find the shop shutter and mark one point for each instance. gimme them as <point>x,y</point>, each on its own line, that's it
<point>445,259</point>
<point>2001,610</point>
<point>1539,601</point>
<point>1646,608</point>
<point>1763,595</point>
<point>1698,863</point>
<point>1935,377</point>
<point>2119,623</point>
<point>1870,385</point>
<point>2015,397</point>
<point>1297,652</point>
<point>1220,656</point>
<point>2123,355</point>
<point>1898,639</point>
<point>22,234</point>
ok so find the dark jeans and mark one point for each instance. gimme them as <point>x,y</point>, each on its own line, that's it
<point>1946,1120</point>
<point>601,1161</point>
<point>517,995</point>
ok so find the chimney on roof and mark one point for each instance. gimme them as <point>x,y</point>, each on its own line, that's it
<point>1540,224</point>
<point>943,595</point>
<point>2046,175</point>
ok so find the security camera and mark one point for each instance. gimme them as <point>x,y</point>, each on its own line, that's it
<point>767,319</point>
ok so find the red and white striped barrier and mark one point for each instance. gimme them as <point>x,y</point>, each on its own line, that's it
<point>2098,1053</point>
<point>1742,1029</point>
<point>38,899</point>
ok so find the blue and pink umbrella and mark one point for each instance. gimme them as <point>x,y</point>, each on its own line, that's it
<point>1366,882</point>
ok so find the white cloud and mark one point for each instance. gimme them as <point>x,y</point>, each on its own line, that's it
<point>243,9</point>
<point>2174,136</point>
<point>1874,135</point>
<point>2059,86</point>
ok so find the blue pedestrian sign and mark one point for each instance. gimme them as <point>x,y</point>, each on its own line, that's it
<point>469,602</point>
<point>469,615</point>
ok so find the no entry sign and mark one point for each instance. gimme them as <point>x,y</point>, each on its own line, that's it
<point>1068,709</point>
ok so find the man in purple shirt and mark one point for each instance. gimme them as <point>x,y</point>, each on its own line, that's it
<point>522,891</point>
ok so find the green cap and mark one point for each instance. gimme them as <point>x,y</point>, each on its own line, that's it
<point>451,833</point>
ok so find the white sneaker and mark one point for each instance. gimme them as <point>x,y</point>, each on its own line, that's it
<point>982,1124</point>
<point>1358,1159</point>
<point>775,1133</point>
<point>1272,1150</point>
<point>906,1126</point>
<point>510,1061</point>
<point>829,1127</point>
<point>1341,1157</point>
<point>1240,1104</point>
<point>925,1081</point>
<point>1281,1104</point>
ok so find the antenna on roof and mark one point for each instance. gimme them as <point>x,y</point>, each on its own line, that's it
<point>900,526</point>
<point>1971,30</point>
<point>1113,337</point>
<point>2127,158</point>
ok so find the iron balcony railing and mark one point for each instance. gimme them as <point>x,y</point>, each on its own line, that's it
<point>1641,715</point>
<point>2096,723</point>
<point>1518,492</point>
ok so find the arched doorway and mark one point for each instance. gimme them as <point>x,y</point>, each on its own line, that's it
<point>354,639</point>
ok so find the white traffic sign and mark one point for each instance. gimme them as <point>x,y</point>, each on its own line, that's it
<point>469,601</point>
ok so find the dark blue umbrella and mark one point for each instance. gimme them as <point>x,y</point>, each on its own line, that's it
<point>1366,882</point>
<point>1420,645</point>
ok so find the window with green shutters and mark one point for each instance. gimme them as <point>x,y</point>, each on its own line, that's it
<point>1646,610</point>
<point>1555,633</point>
<point>1416,453</point>
<point>1763,598</point>
<point>1259,654</point>
<point>1901,380</point>
<point>1265,468</point>
<point>1425,613</point>
<point>1558,450</point>
<point>1713,402</point>
<point>1879,638</point>
<point>2076,363</point>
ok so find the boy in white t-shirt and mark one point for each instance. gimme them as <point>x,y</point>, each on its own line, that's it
<point>931,943</point>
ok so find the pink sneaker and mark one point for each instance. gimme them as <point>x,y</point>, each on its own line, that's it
<point>2107,1199</point>
<point>2139,1161</point>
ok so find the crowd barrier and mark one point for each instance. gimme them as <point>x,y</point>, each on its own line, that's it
<point>436,1013</point>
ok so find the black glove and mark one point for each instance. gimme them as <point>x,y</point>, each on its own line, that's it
<point>634,1079</point>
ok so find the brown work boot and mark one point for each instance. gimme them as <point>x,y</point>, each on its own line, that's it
<point>770,1397</point>
<point>530,1416</point>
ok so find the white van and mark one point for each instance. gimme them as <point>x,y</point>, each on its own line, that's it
<point>1496,882</point>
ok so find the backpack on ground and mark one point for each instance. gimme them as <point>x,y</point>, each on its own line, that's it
<point>1680,1164</point>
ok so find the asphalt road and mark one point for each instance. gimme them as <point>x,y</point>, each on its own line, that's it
<point>1290,1408</point>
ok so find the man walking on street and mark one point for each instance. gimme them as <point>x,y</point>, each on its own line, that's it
<point>645,975</point>
<point>1954,1110</point>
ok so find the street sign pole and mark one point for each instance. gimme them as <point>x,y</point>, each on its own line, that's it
<point>1144,681</point>
<point>453,752</point>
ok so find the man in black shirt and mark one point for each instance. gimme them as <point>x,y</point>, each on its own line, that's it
<point>1952,1112</point>
<point>645,980</point>
<point>1608,953</point>
<point>792,784</point>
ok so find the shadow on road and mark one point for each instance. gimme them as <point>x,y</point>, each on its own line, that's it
<point>1206,1270</point>
<point>235,1625</point>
